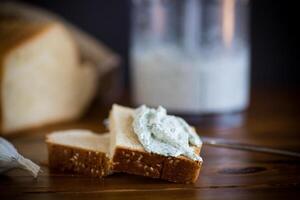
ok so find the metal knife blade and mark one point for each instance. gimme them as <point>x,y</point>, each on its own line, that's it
<point>225,143</point>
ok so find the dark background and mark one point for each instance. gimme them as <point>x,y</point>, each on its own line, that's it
<point>273,52</point>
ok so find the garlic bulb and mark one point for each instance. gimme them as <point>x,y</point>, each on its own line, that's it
<point>10,159</point>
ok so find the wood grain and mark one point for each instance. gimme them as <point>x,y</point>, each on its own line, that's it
<point>273,120</point>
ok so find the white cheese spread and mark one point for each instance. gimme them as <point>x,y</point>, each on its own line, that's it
<point>165,134</point>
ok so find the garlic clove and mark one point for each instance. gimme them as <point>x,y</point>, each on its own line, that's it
<point>10,159</point>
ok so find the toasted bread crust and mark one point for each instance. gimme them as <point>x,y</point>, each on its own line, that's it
<point>79,161</point>
<point>181,170</point>
<point>137,162</point>
<point>174,169</point>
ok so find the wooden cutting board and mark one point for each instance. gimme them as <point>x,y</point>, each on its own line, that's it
<point>273,120</point>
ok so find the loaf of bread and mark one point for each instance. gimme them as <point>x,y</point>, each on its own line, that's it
<point>79,152</point>
<point>42,80</point>
<point>129,156</point>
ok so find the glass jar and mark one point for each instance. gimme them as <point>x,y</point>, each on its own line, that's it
<point>191,56</point>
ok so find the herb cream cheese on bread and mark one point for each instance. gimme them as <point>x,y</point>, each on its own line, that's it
<point>165,134</point>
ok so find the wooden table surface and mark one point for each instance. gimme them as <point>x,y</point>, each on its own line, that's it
<point>273,120</point>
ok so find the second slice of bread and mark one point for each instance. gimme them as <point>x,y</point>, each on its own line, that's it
<point>129,156</point>
<point>79,152</point>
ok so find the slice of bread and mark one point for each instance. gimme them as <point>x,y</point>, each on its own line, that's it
<point>79,152</point>
<point>129,156</point>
